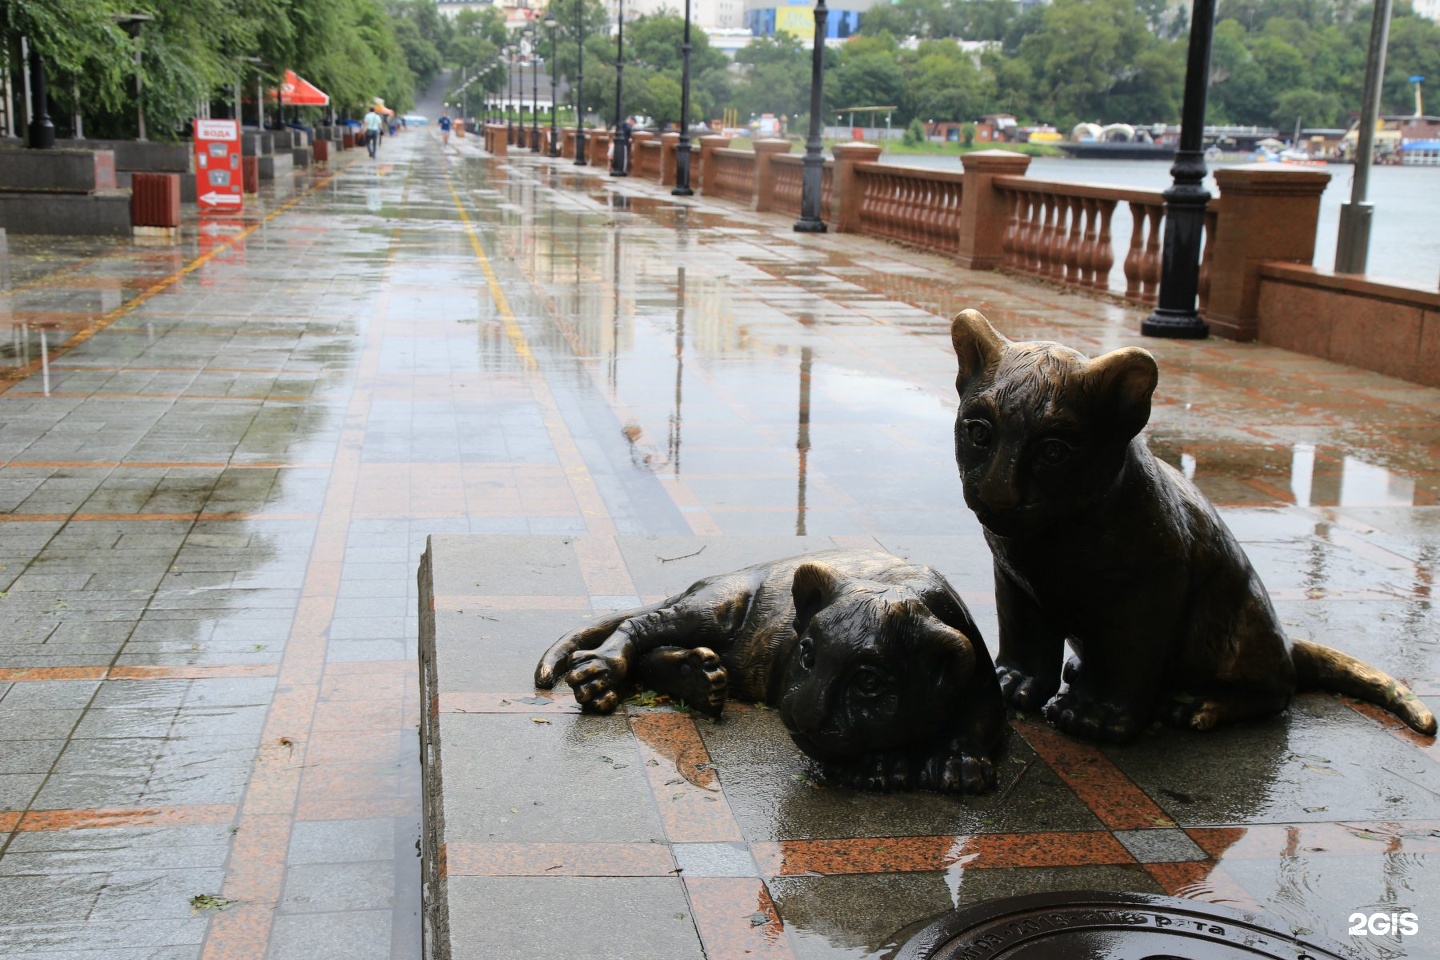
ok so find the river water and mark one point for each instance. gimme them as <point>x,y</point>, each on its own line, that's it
<point>1404,234</point>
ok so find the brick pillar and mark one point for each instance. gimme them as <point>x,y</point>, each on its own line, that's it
<point>1267,212</point>
<point>668,142</point>
<point>637,138</point>
<point>567,142</point>
<point>984,214</point>
<point>765,171</point>
<point>598,142</point>
<point>499,141</point>
<point>846,215</point>
<point>708,145</point>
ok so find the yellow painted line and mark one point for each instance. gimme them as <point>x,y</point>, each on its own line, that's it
<point>10,377</point>
<point>507,316</point>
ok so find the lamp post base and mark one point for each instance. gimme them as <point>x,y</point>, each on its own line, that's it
<point>1175,325</point>
<point>810,225</point>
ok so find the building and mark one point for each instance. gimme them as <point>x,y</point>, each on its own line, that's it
<point>765,18</point>
<point>452,8</point>
<point>704,14</point>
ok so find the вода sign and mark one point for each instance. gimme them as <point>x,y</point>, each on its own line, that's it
<point>218,181</point>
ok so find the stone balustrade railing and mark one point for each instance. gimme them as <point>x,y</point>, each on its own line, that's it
<point>1062,232</point>
<point>911,205</point>
<point>789,184</point>
<point>1256,260</point>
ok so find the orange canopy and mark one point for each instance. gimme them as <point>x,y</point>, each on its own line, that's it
<point>298,92</point>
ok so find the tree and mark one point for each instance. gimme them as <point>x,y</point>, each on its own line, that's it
<point>1080,53</point>
<point>475,44</point>
<point>943,83</point>
<point>775,77</point>
<point>867,75</point>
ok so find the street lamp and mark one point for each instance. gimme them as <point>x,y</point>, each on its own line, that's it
<point>550,24</point>
<point>534,89</point>
<point>1175,316</point>
<point>509,94</point>
<point>617,145</point>
<point>682,149</point>
<point>579,83</point>
<point>814,170</point>
<point>1352,244</point>
<point>42,129</point>
<point>132,22</point>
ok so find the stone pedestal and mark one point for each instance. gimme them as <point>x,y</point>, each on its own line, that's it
<point>668,143</point>
<point>708,145</point>
<point>983,211</point>
<point>765,150</point>
<point>1266,212</point>
<point>846,215</point>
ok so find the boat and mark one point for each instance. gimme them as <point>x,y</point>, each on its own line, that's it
<point>1117,141</point>
<point>1420,153</point>
<point>1094,150</point>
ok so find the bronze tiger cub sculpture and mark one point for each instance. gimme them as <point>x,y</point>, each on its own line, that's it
<point>873,663</point>
<point>1097,542</point>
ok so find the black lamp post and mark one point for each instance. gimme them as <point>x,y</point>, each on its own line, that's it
<point>550,24</point>
<point>132,22</point>
<point>41,129</point>
<point>814,170</point>
<point>618,146</point>
<point>534,89</point>
<point>682,149</point>
<point>509,94</point>
<point>580,83</point>
<point>1175,316</point>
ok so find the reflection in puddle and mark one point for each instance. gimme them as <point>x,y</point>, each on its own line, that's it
<point>1359,484</point>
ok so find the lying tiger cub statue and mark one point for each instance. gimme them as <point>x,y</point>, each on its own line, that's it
<point>873,664</point>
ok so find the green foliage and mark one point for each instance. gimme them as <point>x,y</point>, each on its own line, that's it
<point>914,134</point>
<point>195,51</point>
<point>775,78</point>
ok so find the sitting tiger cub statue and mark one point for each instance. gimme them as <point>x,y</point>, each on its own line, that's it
<point>1098,543</point>
<point>873,663</point>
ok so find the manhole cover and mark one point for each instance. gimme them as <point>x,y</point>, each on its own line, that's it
<point>1110,926</point>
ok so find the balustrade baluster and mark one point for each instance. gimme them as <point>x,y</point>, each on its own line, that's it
<point>914,211</point>
<point>1044,225</point>
<point>1012,228</point>
<point>1057,239</point>
<point>897,194</point>
<point>1211,216</point>
<point>1104,251</point>
<point>1074,271</point>
<point>1033,220</point>
<point>1134,267</point>
<point>1090,210</point>
<point>898,201</point>
<point>1154,245</point>
<point>916,219</point>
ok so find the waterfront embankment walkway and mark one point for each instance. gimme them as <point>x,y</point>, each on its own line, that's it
<point>220,461</point>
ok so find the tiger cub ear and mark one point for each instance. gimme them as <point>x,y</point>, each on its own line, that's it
<point>947,644</point>
<point>814,587</point>
<point>1125,379</point>
<point>977,347</point>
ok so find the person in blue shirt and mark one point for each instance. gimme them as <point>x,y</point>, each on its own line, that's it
<point>444,129</point>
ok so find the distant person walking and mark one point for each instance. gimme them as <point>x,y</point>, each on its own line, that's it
<point>373,123</point>
<point>444,129</point>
